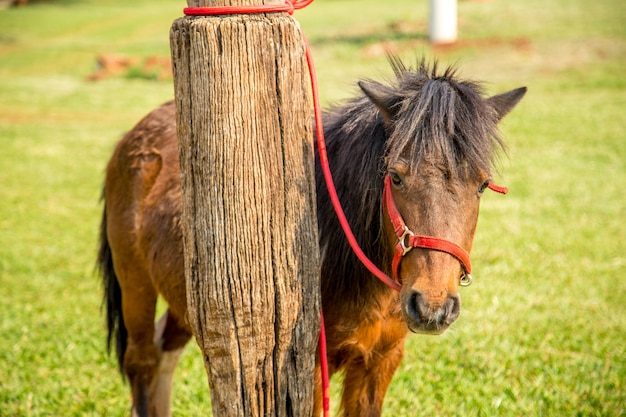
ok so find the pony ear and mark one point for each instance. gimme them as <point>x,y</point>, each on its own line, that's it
<point>504,103</point>
<point>383,97</point>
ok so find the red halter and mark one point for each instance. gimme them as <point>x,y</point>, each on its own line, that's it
<point>408,240</point>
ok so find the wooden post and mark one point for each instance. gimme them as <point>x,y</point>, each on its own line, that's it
<point>249,218</point>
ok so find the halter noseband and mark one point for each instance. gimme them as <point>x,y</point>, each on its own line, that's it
<point>408,240</point>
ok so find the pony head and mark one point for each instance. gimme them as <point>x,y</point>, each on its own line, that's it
<point>442,138</point>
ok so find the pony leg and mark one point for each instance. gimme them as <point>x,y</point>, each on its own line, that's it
<point>365,383</point>
<point>142,356</point>
<point>171,338</point>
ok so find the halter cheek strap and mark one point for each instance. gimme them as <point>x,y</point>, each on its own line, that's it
<point>408,240</point>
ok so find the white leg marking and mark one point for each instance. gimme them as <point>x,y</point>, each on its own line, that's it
<point>161,386</point>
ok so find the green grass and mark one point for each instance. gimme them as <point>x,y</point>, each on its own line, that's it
<point>543,327</point>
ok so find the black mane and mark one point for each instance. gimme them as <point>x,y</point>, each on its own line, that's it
<point>431,117</point>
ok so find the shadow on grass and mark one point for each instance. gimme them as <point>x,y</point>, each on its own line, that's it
<point>404,35</point>
<point>397,32</point>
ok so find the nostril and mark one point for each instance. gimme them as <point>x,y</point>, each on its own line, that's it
<point>416,307</point>
<point>453,308</point>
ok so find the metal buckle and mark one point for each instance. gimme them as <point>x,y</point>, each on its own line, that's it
<point>403,245</point>
<point>466,279</point>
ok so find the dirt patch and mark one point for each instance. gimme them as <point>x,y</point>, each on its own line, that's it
<point>521,44</point>
<point>153,67</point>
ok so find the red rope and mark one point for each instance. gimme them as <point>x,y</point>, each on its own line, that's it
<point>324,367</point>
<point>289,7</point>
<point>332,191</point>
<point>498,188</point>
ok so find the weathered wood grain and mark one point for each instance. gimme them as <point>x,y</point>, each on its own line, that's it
<point>251,247</point>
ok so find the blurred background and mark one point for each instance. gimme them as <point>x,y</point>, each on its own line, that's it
<point>543,327</point>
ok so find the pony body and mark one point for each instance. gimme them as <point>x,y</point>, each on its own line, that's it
<point>432,135</point>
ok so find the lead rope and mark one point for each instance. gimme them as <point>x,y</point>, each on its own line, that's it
<point>289,7</point>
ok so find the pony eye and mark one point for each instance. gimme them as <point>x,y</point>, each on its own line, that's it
<point>484,186</point>
<point>395,178</point>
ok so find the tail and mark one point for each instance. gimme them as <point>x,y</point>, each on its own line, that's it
<point>112,296</point>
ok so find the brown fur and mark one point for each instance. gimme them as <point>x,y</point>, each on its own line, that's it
<point>141,252</point>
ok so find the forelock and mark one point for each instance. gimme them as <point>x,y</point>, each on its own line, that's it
<point>440,118</point>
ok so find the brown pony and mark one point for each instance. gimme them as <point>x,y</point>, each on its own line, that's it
<point>429,136</point>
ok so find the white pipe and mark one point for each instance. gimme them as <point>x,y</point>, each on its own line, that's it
<point>443,21</point>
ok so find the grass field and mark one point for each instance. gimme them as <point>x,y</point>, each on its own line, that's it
<point>543,327</point>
